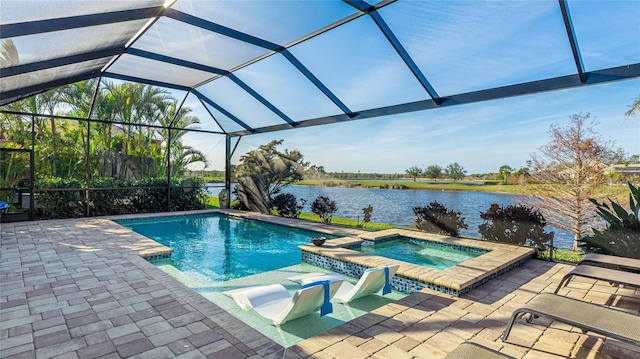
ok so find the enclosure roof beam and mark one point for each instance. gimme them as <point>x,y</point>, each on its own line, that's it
<point>20,93</point>
<point>559,83</point>
<point>311,77</point>
<point>176,61</point>
<point>109,122</point>
<point>214,70</point>
<point>261,99</point>
<point>395,43</point>
<point>573,40</point>
<point>146,81</point>
<point>74,22</point>
<point>223,30</point>
<point>225,112</point>
<point>61,61</point>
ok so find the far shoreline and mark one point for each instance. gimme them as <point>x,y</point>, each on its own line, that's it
<point>466,186</point>
<point>616,192</point>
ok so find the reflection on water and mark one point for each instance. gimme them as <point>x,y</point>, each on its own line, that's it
<point>396,206</point>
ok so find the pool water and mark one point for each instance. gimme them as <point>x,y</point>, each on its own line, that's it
<point>420,252</point>
<point>222,247</point>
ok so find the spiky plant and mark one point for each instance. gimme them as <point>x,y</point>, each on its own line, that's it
<point>622,235</point>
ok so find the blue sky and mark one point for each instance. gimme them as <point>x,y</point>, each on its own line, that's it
<point>481,137</point>
<point>464,46</point>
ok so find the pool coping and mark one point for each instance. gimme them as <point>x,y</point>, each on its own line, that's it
<point>457,280</point>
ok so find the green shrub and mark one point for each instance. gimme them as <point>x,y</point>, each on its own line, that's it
<point>60,201</point>
<point>188,193</point>
<point>515,224</point>
<point>110,196</point>
<point>622,235</point>
<point>324,208</point>
<point>436,218</point>
<point>286,205</point>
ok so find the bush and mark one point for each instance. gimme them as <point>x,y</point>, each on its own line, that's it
<point>187,193</point>
<point>622,236</point>
<point>436,218</point>
<point>61,201</point>
<point>324,208</point>
<point>519,224</point>
<point>286,205</point>
<point>366,216</point>
<point>109,196</point>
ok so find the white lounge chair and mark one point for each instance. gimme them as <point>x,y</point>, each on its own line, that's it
<point>274,303</point>
<point>372,281</point>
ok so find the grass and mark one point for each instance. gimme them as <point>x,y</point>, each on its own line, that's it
<point>560,255</point>
<point>348,222</point>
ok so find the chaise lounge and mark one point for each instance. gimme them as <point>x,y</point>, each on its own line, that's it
<point>372,281</point>
<point>609,261</point>
<point>275,304</point>
<point>587,316</point>
<point>601,273</point>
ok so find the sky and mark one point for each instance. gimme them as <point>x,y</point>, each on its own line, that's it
<point>480,137</point>
<point>459,50</point>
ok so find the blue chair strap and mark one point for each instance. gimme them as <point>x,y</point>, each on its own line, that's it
<point>387,282</point>
<point>326,307</point>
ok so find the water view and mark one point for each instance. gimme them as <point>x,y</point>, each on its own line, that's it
<point>395,207</point>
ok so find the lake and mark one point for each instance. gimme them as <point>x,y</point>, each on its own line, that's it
<point>395,207</point>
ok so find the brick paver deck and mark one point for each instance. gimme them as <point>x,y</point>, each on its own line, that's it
<point>78,288</point>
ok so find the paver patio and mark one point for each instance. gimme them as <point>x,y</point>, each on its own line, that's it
<point>78,288</point>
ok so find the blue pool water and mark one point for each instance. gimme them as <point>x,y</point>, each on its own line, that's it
<point>420,252</point>
<point>222,247</point>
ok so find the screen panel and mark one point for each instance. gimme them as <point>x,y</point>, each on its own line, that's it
<point>465,46</point>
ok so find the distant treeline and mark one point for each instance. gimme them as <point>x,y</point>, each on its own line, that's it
<point>310,175</point>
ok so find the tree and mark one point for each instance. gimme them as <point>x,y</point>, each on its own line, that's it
<point>634,110</point>
<point>568,171</point>
<point>8,54</point>
<point>455,171</point>
<point>414,172</point>
<point>433,172</point>
<point>504,172</point>
<point>263,173</point>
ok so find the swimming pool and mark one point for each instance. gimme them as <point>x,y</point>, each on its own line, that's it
<point>221,247</point>
<point>214,253</point>
<point>420,252</point>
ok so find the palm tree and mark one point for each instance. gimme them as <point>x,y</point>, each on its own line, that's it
<point>135,104</point>
<point>9,54</point>
<point>178,155</point>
